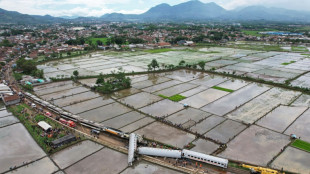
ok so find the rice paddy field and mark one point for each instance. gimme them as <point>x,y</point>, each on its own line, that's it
<point>253,120</point>
<point>271,66</point>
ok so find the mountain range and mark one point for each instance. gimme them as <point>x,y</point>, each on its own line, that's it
<point>193,10</point>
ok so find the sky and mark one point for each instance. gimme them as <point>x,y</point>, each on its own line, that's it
<point>101,7</point>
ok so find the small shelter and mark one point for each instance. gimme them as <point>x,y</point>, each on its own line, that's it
<point>45,126</point>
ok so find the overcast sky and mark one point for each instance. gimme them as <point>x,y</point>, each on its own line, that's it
<point>100,7</point>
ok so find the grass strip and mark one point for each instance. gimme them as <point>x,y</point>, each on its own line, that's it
<point>162,50</point>
<point>301,145</point>
<point>287,63</point>
<point>222,89</point>
<point>174,98</point>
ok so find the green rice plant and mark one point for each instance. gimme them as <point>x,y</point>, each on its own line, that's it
<point>287,63</point>
<point>222,89</point>
<point>301,145</point>
<point>174,98</point>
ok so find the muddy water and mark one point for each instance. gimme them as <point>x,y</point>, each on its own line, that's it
<point>280,118</point>
<point>56,89</point>
<point>209,81</point>
<point>186,115</point>
<point>301,127</point>
<point>162,108</point>
<point>123,120</point>
<point>166,134</point>
<point>125,92</point>
<point>233,84</point>
<point>88,105</point>
<point>255,145</point>
<point>44,165</point>
<point>204,98</point>
<point>19,147</point>
<point>138,124</point>
<point>105,112</point>
<point>176,89</point>
<point>68,156</point>
<point>258,107</point>
<point>140,100</point>
<point>152,81</point>
<point>303,100</point>
<point>8,120</point>
<point>293,160</point>
<point>235,99</point>
<point>207,124</point>
<point>204,146</point>
<point>225,131</point>
<point>64,93</point>
<point>161,86</point>
<point>73,99</point>
<point>99,162</point>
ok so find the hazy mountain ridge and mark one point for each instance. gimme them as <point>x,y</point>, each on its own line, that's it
<point>191,10</point>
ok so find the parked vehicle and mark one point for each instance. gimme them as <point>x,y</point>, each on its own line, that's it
<point>94,131</point>
<point>33,105</point>
<point>68,123</point>
<point>48,114</point>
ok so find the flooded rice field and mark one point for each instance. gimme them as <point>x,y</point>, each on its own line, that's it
<point>44,165</point>
<point>255,145</point>
<point>226,131</point>
<point>106,160</point>
<point>75,153</point>
<point>162,108</point>
<point>140,100</point>
<point>188,114</point>
<point>300,127</point>
<point>303,100</point>
<point>281,117</point>
<point>8,120</point>
<point>88,105</point>
<point>204,146</point>
<point>17,147</point>
<point>293,160</point>
<point>207,124</point>
<point>204,98</point>
<point>166,134</point>
<point>145,167</point>
<point>254,120</point>
<point>258,64</point>
<point>105,112</point>
<point>230,102</point>
<point>258,107</point>
<point>123,120</point>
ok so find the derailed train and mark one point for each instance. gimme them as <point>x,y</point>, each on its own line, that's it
<point>76,118</point>
<point>188,154</point>
<point>141,150</point>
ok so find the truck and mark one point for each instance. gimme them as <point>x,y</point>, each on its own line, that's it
<point>68,123</point>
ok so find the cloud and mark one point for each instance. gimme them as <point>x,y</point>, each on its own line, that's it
<point>100,7</point>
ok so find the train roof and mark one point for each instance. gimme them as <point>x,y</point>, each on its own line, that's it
<point>201,155</point>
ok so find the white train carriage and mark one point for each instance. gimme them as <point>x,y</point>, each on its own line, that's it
<point>205,158</point>
<point>132,148</point>
<point>159,152</point>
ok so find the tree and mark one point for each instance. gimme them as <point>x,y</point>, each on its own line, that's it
<point>181,63</point>
<point>100,79</point>
<point>28,66</point>
<point>99,42</point>
<point>38,73</point>
<point>202,64</point>
<point>154,64</point>
<point>76,73</point>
